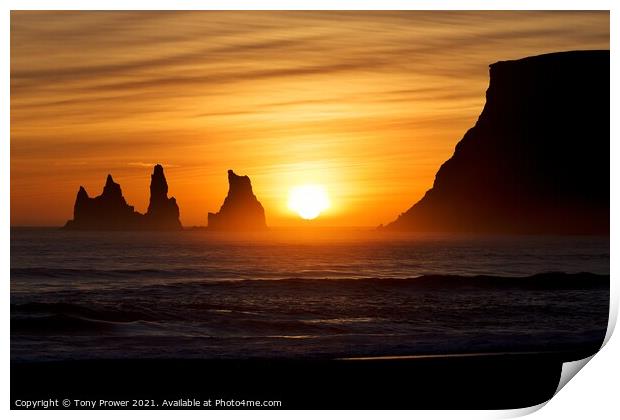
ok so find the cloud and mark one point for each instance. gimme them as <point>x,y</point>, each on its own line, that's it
<point>150,165</point>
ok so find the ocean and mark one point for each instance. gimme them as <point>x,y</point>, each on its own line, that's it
<point>322,294</point>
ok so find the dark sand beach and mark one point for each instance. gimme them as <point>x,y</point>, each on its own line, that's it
<point>500,381</point>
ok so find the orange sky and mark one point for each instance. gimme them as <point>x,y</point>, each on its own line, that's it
<point>369,104</point>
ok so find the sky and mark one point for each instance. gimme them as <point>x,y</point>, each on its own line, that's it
<point>366,104</point>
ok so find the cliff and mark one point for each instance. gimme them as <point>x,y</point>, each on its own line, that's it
<point>241,209</point>
<point>537,159</point>
<point>163,212</point>
<point>110,211</point>
<point>106,211</point>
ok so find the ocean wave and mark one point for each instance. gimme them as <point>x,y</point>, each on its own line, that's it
<point>558,280</point>
<point>47,272</point>
<point>204,320</point>
<point>81,311</point>
<point>55,324</point>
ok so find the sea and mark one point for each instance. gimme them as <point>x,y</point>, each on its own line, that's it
<point>301,294</point>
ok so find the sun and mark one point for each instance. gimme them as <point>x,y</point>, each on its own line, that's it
<point>308,201</point>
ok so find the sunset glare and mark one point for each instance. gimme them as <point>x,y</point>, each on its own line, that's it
<point>308,201</point>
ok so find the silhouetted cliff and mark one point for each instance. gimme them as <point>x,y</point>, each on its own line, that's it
<point>241,210</point>
<point>537,160</point>
<point>110,211</point>
<point>163,212</point>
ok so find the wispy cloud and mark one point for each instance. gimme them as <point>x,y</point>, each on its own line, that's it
<point>151,164</point>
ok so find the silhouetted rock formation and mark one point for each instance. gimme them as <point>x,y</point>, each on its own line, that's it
<point>537,160</point>
<point>110,211</point>
<point>241,210</point>
<point>163,212</point>
<point>106,211</point>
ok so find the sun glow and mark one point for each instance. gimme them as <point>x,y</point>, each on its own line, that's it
<point>308,201</point>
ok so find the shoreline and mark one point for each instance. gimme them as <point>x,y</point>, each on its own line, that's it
<point>457,381</point>
<point>310,228</point>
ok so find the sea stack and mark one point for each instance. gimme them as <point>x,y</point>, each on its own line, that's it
<point>163,212</point>
<point>537,159</point>
<point>241,210</point>
<point>110,211</point>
